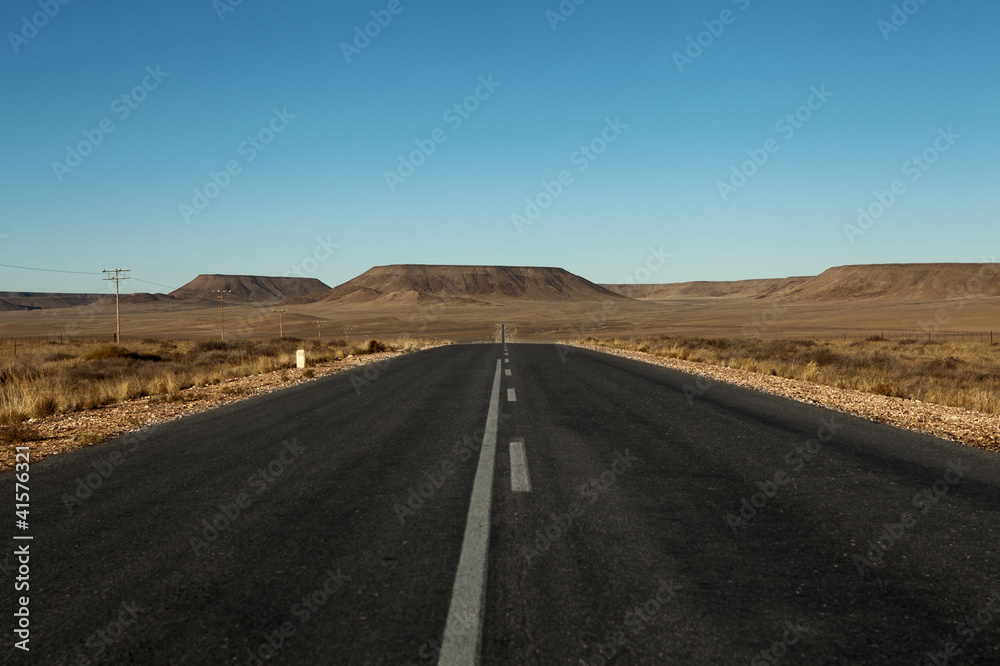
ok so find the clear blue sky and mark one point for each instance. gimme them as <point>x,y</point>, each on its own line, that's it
<point>323,176</point>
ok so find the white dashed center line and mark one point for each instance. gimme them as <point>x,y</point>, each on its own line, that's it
<point>511,396</point>
<point>520,482</point>
<point>508,372</point>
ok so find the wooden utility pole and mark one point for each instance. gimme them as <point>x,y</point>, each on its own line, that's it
<point>347,333</point>
<point>222,310</point>
<point>281,330</point>
<point>116,278</point>
<point>319,327</point>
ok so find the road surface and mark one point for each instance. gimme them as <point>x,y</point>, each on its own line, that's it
<point>525,504</point>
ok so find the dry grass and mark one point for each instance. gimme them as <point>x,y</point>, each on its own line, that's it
<point>957,374</point>
<point>55,378</point>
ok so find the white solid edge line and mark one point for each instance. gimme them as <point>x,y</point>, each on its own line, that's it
<point>520,482</point>
<point>463,628</point>
<point>511,396</point>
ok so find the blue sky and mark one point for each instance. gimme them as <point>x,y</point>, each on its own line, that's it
<point>210,85</point>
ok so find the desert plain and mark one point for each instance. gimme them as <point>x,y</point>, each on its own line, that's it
<point>468,303</point>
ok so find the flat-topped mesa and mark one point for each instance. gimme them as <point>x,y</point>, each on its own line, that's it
<point>416,282</point>
<point>909,282</point>
<point>249,288</point>
<point>903,282</point>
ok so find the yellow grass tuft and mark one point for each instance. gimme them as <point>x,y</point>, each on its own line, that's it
<point>53,378</point>
<point>963,374</point>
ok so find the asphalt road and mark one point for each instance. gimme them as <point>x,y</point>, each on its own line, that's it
<point>659,519</point>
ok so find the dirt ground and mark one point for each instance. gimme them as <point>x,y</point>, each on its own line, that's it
<point>526,320</point>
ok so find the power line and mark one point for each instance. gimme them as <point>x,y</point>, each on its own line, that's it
<point>155,284</point>
<point>281,330</point>
<point>116,278</point>
<point>222,310</point>
<point>54,270</point>
<point>50,270</point>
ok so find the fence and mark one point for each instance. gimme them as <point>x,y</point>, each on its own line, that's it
<point>333,334</point>
<point>876,334</point>
<point>76,337</point>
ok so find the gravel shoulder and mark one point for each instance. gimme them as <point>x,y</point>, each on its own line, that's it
<point>959,425</point>
<point>61,433</point>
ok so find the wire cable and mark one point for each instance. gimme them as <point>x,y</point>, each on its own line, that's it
<point>49,270</point>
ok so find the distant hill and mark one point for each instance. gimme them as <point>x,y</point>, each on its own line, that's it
<point>406,283</point>
<point>731,289</point>
<point>901,282</point>
<point>470,284</point>
<point>139,298</point>
<point>249,288</point>
<point>34,300</point>
<point>7,306</point>
<point>932,282</point>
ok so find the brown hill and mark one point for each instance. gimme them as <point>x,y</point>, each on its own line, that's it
<point>249,288</point>
<point>728,289</point>
<point>930,282</point>
<point>470,284</point>
<point>843,283</point>
<point>7,306</point>
<point>36,300</point>
<point>134,299</point>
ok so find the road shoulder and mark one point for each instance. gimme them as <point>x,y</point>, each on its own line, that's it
<point>958,425</point>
